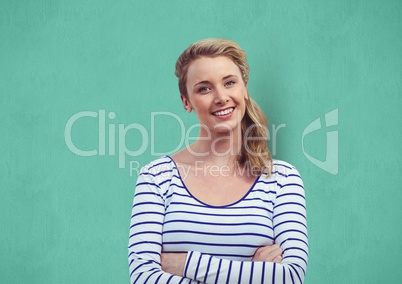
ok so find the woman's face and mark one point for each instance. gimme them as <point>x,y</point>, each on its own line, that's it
<point>216,93</point>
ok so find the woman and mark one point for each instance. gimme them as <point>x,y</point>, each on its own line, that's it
<point>220,210</point>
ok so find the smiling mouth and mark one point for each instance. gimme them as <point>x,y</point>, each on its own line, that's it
<point>223,112</point>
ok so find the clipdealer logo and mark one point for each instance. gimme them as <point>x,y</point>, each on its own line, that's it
<point>329,164</point>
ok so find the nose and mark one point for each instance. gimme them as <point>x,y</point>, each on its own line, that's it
<point>221,96</point>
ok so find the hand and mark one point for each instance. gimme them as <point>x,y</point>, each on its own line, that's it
<point>271,253</point>
<point>173,263</point>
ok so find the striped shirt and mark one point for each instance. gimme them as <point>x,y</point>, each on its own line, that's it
<point>220,240</point>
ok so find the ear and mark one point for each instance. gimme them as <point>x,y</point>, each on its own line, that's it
<point>246,95</point>
<point>186,103</point>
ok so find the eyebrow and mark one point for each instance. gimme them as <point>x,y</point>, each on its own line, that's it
<point>206,81</point>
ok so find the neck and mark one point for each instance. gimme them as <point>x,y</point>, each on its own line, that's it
<point>218,148</point>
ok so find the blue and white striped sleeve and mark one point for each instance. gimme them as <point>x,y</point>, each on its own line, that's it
<point>290,231</point>
<point>145,240</point>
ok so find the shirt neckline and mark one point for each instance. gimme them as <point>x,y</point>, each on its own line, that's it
<point>204,203</point>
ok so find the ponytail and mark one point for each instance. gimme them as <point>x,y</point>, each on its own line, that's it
<point>254,154</point>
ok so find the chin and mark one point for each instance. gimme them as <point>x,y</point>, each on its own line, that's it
<point>224,128</point>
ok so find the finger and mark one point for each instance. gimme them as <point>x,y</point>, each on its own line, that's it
<point>278,259</point>
<point>267,249</point>
<point>272,252</point>
<point>267,253</point>
<point>277,251</point>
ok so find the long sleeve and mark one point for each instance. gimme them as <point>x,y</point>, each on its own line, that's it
<point>145,240</point>
<point>290,231</point>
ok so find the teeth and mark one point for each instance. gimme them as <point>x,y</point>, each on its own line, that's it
<point>223,112</point>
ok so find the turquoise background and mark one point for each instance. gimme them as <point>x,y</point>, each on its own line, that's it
<point>65,217</point>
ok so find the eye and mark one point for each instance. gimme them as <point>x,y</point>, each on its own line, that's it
<point>230,83</point>
<point>203,89</point>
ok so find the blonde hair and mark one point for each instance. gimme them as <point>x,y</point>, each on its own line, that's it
<point>254,154</point>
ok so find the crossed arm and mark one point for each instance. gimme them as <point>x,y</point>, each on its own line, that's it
<point>174,262</point>
<point>285,261</point>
